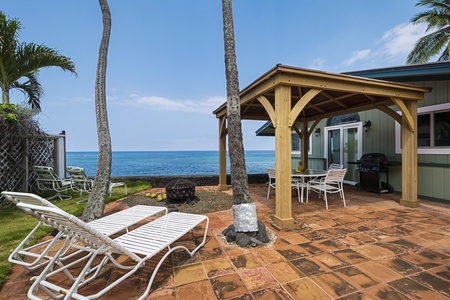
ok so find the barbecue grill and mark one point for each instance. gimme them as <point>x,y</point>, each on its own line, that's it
<point>370,167</point>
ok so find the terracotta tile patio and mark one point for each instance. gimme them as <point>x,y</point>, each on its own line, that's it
<point>373,249</point>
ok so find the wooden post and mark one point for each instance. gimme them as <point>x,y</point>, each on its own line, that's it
<point>409,158</point>
<point>222,154</point>
<point>304,144</point>
<point>283,205</point>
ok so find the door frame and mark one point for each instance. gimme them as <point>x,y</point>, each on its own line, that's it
<point>341,127</point>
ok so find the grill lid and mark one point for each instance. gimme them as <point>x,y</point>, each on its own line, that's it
<point>373,158</point>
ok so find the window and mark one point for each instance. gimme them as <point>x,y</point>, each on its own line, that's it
<point>442,129</point>
<point>296,143</point>
<point>433,130</point>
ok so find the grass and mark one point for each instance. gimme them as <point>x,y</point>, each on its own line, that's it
<point>16,225</point>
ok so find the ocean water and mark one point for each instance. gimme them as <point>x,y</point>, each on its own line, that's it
<point>159,163</point>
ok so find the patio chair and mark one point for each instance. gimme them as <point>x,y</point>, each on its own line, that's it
<point>332,183</point>
<point>48,180</point>
<point>134,248</point>
<point>335,166</point>
<point>82,183</point>
<point>34,256</point>
<point>295,184</point>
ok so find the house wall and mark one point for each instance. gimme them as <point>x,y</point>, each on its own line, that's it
<point>433,169</point>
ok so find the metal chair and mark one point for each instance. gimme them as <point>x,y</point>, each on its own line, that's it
<point>332,183</point>
<point>48,180</point>
<point>295,184</point>
<point>335,166</point>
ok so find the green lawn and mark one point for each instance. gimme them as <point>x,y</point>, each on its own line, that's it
<point>16,224</point>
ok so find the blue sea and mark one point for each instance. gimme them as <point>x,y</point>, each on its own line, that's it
<point>159,163</point>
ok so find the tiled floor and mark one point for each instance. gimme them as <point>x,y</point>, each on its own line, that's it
<point>373,249</point>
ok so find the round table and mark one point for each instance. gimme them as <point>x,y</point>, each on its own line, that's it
<point>308,173</point>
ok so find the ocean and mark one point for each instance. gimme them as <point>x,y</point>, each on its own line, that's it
<point>160,163</point>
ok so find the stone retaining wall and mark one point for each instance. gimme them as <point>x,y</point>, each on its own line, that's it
<point>199,180</point>
<point>161,181</point>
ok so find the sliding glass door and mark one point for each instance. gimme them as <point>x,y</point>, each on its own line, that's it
<point>343,144</point>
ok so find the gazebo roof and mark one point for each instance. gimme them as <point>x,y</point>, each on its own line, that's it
<point>286,95</point>
<point>339,93</point>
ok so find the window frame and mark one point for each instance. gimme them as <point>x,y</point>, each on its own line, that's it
<point>432,109</point>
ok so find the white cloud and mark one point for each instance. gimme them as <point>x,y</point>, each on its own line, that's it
<point>164,104</point>
<point>318,64</point>
<point>393,47</point>
<point>400,40</point>
<point>357,55</point>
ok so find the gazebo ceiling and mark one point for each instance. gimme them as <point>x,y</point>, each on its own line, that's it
<point>330,94</point>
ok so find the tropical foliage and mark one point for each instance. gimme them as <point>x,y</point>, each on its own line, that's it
<point>20,63</point>
<point>437,42</point>
<point>17,120</point>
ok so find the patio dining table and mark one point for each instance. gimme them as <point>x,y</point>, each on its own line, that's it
<point>310,174</point>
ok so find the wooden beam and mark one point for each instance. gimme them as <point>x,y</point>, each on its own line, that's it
<point>409,158</point>
<point>354,108</point>
<point>222,154</point>
<point>222,126</point>
<point>394,115</point>
<point>283,198</point>
<point>310,131</point>
<point>293,114</point>
<point>304,145</point>
<point>352,85</point>
<point>405,113</point>
<point>299,133</point>
<point>269,109</point>
<point>336,99</point>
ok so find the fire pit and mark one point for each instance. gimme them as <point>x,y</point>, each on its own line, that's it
<point>180,190</point>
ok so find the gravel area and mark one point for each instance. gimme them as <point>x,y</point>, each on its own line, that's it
<point>208,201</point>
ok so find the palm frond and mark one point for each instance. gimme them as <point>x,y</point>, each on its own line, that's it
<point>24,60</point>
<point>32,89</point>
<point>34,57</point>
<point>437,17</point>
<point>428,46</point>
<point>445,55</point>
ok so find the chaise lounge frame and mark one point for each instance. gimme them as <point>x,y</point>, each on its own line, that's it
<point>138,245</point>
<point>48,180</point>
<point>108,225</point>
<point>81,183</point>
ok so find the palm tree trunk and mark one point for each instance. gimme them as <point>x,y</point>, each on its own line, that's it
<point>5,96</point>
<point>96,202</point>
<point>239,178</point>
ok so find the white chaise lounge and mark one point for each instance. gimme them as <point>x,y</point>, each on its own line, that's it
<point>137,246</point>
<point>30,258</point>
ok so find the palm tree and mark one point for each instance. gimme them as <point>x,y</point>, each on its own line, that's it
<point>20,63</point>
<point>438,19</point>
<point>239,178</point>
<point>96,202</point>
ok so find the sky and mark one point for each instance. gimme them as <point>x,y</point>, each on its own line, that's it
<point>166,72</point>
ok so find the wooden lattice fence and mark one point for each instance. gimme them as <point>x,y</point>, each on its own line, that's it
<point>18,155</point>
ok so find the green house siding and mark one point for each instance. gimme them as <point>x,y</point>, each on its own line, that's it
<point>433,170</point>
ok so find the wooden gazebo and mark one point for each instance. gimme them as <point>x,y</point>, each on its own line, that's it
<point>288,95</point>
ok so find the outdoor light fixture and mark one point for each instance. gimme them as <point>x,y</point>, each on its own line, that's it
<point>367,125</point>
<point>317,131</point>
